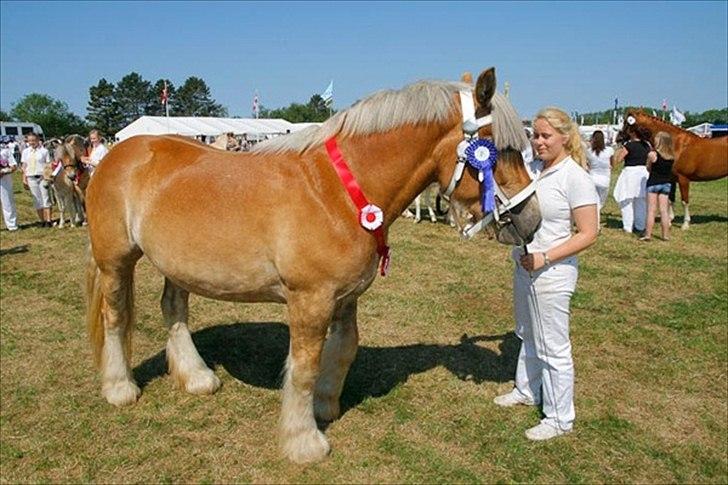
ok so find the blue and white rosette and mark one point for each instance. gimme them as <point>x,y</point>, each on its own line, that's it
<point>481,154</point>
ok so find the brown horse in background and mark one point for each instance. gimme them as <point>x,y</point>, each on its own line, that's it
<point>696,159</point>
<point>277,225</point>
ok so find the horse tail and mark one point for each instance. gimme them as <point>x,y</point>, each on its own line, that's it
<point>94,322</point>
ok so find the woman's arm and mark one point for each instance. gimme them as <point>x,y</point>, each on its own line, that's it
<point>618,156</point>
<point>586,218</point>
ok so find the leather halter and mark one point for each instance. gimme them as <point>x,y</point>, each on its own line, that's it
<point>470,128</point>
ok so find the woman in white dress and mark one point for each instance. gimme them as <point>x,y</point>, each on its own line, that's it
<point>599,156</point>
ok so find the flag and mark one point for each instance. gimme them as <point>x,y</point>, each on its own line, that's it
<point>328,94</point>
<point>664,104</point>
<point>256,105</point>
<point>165,94</point>
<point>616,102</point>
<point>676,117</point>
<point>654,113</point>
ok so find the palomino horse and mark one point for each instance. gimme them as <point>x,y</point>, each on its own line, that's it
<point>227,142</point>
<point>277,225</point>
<point>696,159</point>
<point>427,197</point>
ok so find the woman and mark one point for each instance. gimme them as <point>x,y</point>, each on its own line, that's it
<point>599,156</point>
<point>659,185</point>
<point>545,275</point>
<point>629,192</point>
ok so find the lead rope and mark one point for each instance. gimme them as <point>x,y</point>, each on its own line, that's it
<point>537,308</point>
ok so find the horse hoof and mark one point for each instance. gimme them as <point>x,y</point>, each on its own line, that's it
<point>308,447</point>
<point>122,393</point>
<point>685,226</point>
<point>326,410</point>
<point>202,382</point>
<point>417,220</point>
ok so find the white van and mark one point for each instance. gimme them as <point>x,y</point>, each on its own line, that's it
<point>14,128</point>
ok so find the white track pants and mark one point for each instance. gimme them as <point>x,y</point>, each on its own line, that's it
<point>545,370</point>
<point>10,213</point>
<point>634,214</point>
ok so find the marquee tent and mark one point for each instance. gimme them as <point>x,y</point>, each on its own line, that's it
<point>201,126</point>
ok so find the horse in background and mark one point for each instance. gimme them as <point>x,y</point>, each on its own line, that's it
<point>279,226</point>
<point>696,159</point>
<point>428,196</point>
<point>61,181</point>
<point>226,142</point>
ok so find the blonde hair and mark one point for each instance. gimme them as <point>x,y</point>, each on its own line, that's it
<point>561,122</point>
<point>663,145</point>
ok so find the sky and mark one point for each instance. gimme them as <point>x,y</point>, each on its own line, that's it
<point>575,55</point>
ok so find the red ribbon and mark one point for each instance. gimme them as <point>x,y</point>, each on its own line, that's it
<point>359,199</point>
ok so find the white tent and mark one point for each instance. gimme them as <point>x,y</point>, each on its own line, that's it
<point>194,126</point>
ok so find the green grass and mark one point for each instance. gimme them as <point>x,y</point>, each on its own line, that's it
<point>649,334</point>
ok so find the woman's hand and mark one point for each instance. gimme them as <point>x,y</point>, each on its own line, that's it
<point>532,261</point>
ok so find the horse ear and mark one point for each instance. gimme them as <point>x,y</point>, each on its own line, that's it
<point>485,87</point>
<point>467,77</point>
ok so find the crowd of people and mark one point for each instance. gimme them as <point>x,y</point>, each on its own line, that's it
<point>35,159</point>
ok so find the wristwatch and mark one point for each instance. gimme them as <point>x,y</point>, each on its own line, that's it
<point>546,260</point>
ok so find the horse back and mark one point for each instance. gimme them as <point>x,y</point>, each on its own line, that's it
<point>703,159</point>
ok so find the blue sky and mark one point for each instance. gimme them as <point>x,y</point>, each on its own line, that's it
<point>578,56</point>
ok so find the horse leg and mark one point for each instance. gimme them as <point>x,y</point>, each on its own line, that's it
<point>116,305</point>
<point>186,366</point>
<point>61,198</point>
<point>338,354</point>
<point>417,209</point>
<point>309,317</point>
<point>685,196</point>
<point>430,209</point>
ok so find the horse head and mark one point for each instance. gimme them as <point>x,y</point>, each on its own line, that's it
<point>490,132</point>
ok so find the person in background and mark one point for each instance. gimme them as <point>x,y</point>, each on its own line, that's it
<point>98,151</point>
<point>658,185</point>
<point>8,165</point>
<point>34,159</point>
<point>545,276</point>
<point>630,189</point>
<point>599,156</point>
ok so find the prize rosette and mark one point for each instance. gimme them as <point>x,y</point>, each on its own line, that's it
<point>631,120</point>
<point>481,154</point>
<point>371,217</point>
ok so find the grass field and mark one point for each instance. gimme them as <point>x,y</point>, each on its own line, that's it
<point>649,332</point>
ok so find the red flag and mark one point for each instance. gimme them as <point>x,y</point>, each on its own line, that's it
<point>165,94</point>
<point>255,105</point>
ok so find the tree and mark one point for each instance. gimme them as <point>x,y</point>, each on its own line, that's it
<point>4,116</point>
<point>51,114</point>
<point>103,110</point>
<point>314,111</point>
<point>158,108</point>
<point>194,99</point>
<point>134,97</point>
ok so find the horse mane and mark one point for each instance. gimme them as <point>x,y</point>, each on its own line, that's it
<point>668,126</point>
<point>420,102</point>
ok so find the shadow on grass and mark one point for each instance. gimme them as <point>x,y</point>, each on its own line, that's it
<point>695,219</point>
<point>15,250</point>
<point>254,353</point>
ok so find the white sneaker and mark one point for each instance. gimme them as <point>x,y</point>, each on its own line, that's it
<point>543,431</point>
<point>513,398</point>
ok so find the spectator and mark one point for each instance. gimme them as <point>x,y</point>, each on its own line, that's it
<point>98,151</point>
<point>658,185</point>
<point>630,190</point>
<point>599,156</point>
<point>34,159</point>
<point>8,165</point>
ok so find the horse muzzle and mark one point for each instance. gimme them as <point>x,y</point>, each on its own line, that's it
<point>518,226</point>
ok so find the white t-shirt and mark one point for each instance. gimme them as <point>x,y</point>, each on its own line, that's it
<point>97,153</point>
<point>34,160</point>
<point>599,166</point>
<point>560,189</point>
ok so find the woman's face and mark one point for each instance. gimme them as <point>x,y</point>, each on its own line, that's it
<point>550,145</point>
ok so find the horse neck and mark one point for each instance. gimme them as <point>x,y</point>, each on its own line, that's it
<point>680,138</point>
<point>394,167</point>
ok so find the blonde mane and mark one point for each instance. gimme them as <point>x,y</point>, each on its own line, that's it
<point>421,102</point>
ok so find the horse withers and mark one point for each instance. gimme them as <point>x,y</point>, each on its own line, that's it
<point>277,225</point>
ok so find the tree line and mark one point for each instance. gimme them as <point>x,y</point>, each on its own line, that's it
<point>112,106</point>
